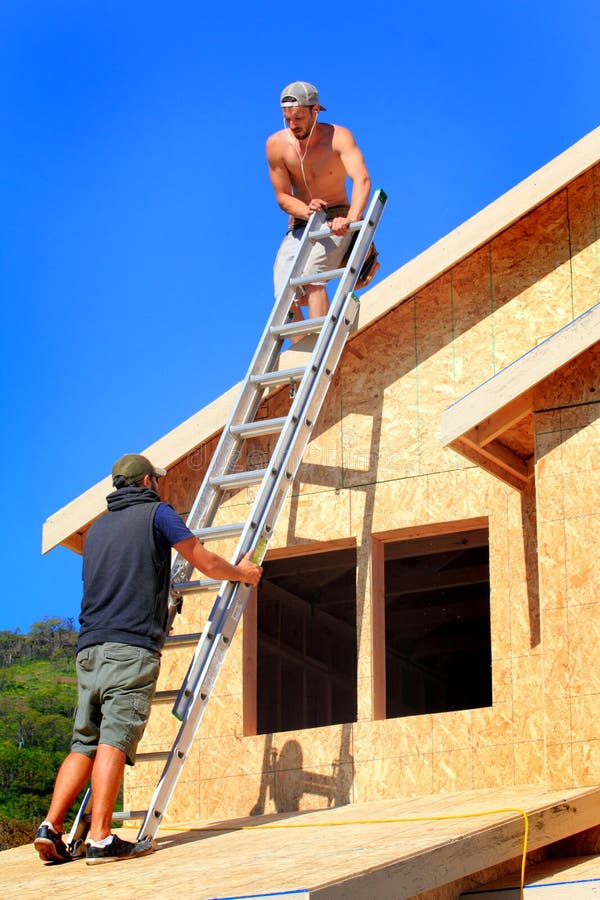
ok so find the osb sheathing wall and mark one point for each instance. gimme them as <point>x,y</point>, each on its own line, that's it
<point>568,487</point>
<point>375,464</point>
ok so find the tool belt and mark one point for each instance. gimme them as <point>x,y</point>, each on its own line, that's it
<point>369,269</point>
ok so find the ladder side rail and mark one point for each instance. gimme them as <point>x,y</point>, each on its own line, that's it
<point>249,397</point>
<point>208,634</point>
<point>310,396</point>
<point>236,597</point>
<point>172,768</point>
<point>80,826</point>
<point>294,446</point>
<point>325,356</point>
<point>296,433</point>
<point>362,242</point>
<point>246,405</point>
<point>259,529</point>
<point>320,359</point>
<point>276,483</point>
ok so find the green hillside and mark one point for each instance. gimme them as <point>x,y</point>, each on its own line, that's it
<point>38,694</point>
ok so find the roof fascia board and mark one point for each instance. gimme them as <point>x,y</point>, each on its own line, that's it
<point>521,375</point>
<point>479,229</point>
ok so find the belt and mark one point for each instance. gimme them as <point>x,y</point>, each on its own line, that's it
<point>331,212</point>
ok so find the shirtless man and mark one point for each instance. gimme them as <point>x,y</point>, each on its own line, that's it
<point>309,162</point>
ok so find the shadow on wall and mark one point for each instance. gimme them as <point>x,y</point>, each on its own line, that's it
<point>285,782</point>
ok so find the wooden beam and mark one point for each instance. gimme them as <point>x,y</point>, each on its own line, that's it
<point>437,543</point>
<point>75,542</point>
<point>378,695</point>
<point>249,664</point>
<point>504,458</point>
<point>506,418</point>
<point>427,532</point>
<point>309,548</point>
<point>418,581</point>
<point>474,455</point>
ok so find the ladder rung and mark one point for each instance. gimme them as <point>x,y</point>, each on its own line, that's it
<point>219,532</point>
<point>121,815</point>
<point>238,479</point>
<point>268,379</point>
<point>153,756</point>
<point>326,231</point>
<point>306,326</point>
<point>164,696</point>
<point>182,640</point>
<point>256,429</point>
<point>317,276</point>
<point>125,815</point>
<point>193,587</point>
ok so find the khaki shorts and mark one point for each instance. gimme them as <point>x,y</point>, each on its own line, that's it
<point>116,683</point>
<point>328,253</point>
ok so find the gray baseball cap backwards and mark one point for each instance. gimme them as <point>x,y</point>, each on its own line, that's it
<point>133,467</point>
<point>300,93</point>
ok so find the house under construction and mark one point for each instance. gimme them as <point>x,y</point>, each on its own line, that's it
<point>411,702</point>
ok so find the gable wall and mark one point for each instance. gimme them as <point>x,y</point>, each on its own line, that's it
<point>375,464</point>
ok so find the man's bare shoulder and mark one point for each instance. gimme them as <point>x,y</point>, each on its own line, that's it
<point>342,137</point>
<point>276,143</point>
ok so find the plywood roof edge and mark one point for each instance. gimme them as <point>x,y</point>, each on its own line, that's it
<point>480,228</point>
<point>165,452</point>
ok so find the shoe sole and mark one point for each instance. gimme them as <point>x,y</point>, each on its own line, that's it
<point>48,852</point>
<point>96,861</point>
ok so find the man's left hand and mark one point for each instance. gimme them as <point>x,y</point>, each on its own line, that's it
<point>340,225</point>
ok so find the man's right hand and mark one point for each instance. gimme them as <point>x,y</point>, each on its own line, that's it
<point>251,573</point>
<point>215,566</point>
<point>315,205</point>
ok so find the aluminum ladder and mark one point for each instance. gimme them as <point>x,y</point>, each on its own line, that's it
<point>309,385</point>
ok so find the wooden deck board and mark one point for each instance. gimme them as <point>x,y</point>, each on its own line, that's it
<point>336,853</point>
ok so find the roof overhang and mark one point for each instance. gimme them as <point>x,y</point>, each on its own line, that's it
<point>68,525</point>
<point>491,425</point>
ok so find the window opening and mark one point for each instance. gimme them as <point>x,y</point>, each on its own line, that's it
<point>437,623</point>
<point>306,641</point>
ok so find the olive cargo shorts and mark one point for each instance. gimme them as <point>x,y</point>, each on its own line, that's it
<point>116,683</point>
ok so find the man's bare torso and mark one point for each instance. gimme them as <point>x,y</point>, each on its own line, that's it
<point>323,169</point>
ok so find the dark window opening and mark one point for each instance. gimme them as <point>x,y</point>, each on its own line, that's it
<point>437,623</point>
<point>306,655</point>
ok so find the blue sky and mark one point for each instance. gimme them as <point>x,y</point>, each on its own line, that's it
<point>138,224</point>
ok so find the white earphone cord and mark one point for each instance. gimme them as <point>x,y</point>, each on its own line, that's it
<point>302,157</point>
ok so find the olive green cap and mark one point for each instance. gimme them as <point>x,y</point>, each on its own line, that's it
<point>133,467</point>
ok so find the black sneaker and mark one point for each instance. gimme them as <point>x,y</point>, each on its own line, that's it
<point>117,849</point>
<point>50,845</point>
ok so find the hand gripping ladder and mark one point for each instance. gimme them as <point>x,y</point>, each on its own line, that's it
<point>310,384</point>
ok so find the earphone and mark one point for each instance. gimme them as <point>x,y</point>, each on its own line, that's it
<point>294,144</point>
